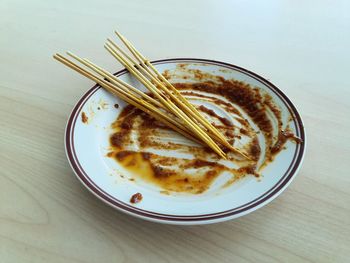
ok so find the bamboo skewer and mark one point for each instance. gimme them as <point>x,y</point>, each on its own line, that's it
<point>114,79</point>
<point>166,86</point>
<point>142,105</point>
<point>167,105</point>
<point>188,107</point>
<point>160,116</point>
<point>166,102</point>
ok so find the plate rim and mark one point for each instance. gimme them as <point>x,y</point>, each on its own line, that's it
<point>235,212</point>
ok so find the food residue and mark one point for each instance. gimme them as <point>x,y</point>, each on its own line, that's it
<point>136,198</point>
<point>245,115</point>
<point>84,118</point>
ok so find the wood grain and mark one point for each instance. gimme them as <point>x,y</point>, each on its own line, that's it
<point>47,216</point>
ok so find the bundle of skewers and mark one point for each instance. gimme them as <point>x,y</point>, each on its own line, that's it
<point>165,103</point>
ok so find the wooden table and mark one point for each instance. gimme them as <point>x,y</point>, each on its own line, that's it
<point>46,215</point>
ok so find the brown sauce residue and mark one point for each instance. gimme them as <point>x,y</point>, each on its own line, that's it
<point>84,118</point>
<point>283,136</point>
<point>212,113</point>
<point>145,147</point>
<point>136,198</point>
<point>159,170</point>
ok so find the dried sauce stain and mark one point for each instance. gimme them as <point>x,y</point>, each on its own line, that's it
<point>84,118</point>
<point>147,167</point>
<point>110,154</point>
<point>196,175</point>
<point>212,113</point>
<point>136,198</point>
<point>283,136</point>
<point>166,74</point>
<point>255,149</point>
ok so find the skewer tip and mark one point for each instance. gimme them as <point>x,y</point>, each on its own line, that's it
<point>121,37</point>
<point>70,54</point>
<point>57,56</point>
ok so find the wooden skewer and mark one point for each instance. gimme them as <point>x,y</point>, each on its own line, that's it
<point>165,101</point>
<point>164,118</point>
<point>154,79</point>
<point>118,82</point>
<point>142,105</point>
<point>184,118</point>
<point>115,80</point>
<point>112,78</point>
<point>178,98</point>
<point>174,94</point>
<point>123,85</point>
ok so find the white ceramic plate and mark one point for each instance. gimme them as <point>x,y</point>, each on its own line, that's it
<point>87,146</point>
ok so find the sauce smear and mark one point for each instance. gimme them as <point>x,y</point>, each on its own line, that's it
<point>155,154</point>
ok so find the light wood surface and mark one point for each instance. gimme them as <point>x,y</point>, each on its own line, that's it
<point>46,215</point>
